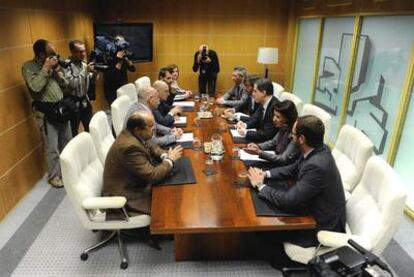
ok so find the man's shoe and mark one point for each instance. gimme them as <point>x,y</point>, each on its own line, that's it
<point>56,182</point>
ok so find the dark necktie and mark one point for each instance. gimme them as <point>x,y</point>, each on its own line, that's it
<point>260,111</point>
<point>237,92</point>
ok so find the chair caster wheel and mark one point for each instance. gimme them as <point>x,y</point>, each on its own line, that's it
<point>84,256</point>
<point>124,265</point>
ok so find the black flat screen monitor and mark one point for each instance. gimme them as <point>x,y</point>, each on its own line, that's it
<point>139,35</point>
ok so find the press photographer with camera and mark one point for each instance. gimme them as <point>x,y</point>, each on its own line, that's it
<point>45,80</point>
<point>118,66</point>
<point>81,78</point>
<point>207,63</point>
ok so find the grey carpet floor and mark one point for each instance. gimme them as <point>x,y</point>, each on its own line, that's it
<point>50,240</point>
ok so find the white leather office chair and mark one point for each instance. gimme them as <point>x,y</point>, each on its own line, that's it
<point>309,109</point>
<point>129,90</point>
<point>373,213</point>
<point>142,82</point>
<point>82,174</point>
<point>119,110</point>
<point>351,152</point>
<point>101,134</point>
<point>295,99</point>
<point>277,90</point>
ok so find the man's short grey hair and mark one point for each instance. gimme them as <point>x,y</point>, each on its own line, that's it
<point>145,93</point>
<point>241,71</point>
<point>159,84</point>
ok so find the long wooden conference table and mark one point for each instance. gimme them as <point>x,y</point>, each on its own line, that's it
<point>213,219</point>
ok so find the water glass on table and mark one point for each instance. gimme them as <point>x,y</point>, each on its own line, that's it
<point>209,170</point>
<point>242,179</point>
<point>235,153</point>
<point>197,144</point>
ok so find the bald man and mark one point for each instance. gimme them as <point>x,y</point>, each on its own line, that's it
<point>134,164</point>
<point>164,114</point>
<point>148,101</point>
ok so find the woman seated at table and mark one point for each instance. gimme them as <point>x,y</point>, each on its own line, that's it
<point>175,89</point>
<point>286,151</point>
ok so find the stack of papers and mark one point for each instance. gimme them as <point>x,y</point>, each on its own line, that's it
<point>182,120</point>
<point>244,156</point>
<point>184,104</point>
<point>179,97</point>
<point>241,114</point>
<point>236,134</point>
<point>186,137</point>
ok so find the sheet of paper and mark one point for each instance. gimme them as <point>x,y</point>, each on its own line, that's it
<point>241,114</point>
<point>181,120</point>
<point>184,103</point>
<point>249,157</point>
<point>236,134</point>
<point>186,137</point>
<point>179,97</point>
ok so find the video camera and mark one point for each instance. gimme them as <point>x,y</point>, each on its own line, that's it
<point>105,50</point>
<point>345,261</point>
<point>63,63</point>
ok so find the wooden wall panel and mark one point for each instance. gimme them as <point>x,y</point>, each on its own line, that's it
<point>23,22</point>
<point>235,29</point>
<point>337,7</point>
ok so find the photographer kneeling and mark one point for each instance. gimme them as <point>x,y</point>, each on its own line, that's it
<point>45,80</point>
<point>81,78</point>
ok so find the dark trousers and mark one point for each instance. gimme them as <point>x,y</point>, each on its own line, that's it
<point>209,81</point>
<point>84,114</point>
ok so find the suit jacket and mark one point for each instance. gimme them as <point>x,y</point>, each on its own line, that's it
<point>131,168</point>
<point>162,135</point>
<point>318,188</point>
<point>247,106</point>
<point>265,129</point>
<point>162,116</point>
<point>235,96</point>
<point>289,151</point>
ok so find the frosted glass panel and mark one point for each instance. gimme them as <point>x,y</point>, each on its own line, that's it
<point>305,58</point>
<point>333,68</point>
<point>381,67</point>
<point>404,163</point>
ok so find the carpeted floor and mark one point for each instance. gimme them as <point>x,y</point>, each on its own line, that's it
<point>50,240</point>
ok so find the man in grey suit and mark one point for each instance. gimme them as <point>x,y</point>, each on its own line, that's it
<point>317,184</point>
<point>237,94</point>
<point>148,101</point>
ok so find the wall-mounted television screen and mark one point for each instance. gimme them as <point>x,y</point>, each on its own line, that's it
<point>139,36</point>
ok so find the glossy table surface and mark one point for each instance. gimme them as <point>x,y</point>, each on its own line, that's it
<point>214,204</point>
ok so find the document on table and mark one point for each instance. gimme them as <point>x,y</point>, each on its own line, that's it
<point>236,134</point>
<point>241,114</point>
<point>186,137</point>
<point>180,97</point>
<point>244,156</point>
<point>182,120</point>
<point>184,104</point>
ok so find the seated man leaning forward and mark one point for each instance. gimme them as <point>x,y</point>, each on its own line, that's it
<point>134,164</point>
<point>317,187</point>
<point>148,101</point>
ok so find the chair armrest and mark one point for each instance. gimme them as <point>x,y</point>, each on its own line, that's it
<point>107,202</point>
<point>336,239</point>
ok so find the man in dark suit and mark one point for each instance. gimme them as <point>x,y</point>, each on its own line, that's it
<point>262,119</point>
<point>164,114</point>
<point>207,63</point>
<point>134,164</point>
<point>317,184</point>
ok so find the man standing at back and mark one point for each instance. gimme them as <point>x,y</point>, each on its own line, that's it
<point>45,81</point>
<point>207,63</point>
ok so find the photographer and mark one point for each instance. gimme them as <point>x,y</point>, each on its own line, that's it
<point>116,74</point>
<point>81,84</point>
<point>45,81</point>
<point>206,61</point>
